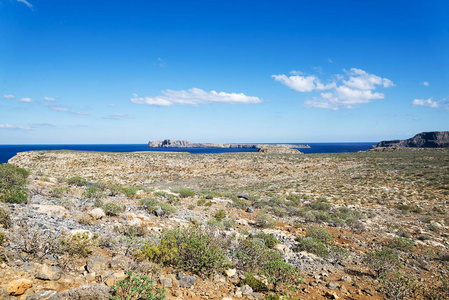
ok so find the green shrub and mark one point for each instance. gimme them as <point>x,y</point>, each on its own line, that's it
<point>265,221</point>
<point>112,209</point>
<point>314,246</point>
<point>397,286</point>
<point>320,204</point>
<point>152,204</point>
<point>130,191</point>
<point>84,219</point>
<point>5,217</point>
<point>13,184</point>
<point>404,207</point>
<point>58,192</point>
<point>135,287</point>
<point>131,230</point>
<point>77,180</point>
<point>255,284</point>
<point>269,240</point>
<point>93,193</point>
<point>2,237</point>
<point>228,224</point>
<point>321,234</point>
<point>381,261</point>
<point>401,243</point>
<point>191,207</point>
<point>199,252</point>
<point>77,245</point>
<point>168,209</point>
<point>220,215</point>
<point>338,253</point>
<point>165,253</point>
<point>252,256</point>
<point>184,193</point>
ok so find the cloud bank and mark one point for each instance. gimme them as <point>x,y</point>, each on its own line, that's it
<point>11,127</point>
<point>346,91</point>
<point>194,97</point>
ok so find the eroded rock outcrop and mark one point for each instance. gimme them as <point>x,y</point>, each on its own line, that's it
<point>434,139</point>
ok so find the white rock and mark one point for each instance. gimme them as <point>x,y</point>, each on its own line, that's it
<point>230,272</point>
<point>97,213</point>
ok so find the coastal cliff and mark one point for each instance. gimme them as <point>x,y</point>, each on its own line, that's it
<point>434,139</point>
<point>186,144</point>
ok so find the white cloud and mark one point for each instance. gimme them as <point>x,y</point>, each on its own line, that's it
<point>160,62</point>
<point>64,109</point>
<point>194,97</point>
<point>330,60</point>
<point>9,96</point>
<point>424,83</point>
<point>361,80</point>
<point>11,127</point>
<point>443,103</point>
<point>119,116</point>
<point>303,83</point>
<point>43,125</point>
<point>28,4</point>
<point>349,90</point>
<point>49,99</point>
<point>28,100</point>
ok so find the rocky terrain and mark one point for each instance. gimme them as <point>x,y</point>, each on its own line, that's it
<point>435,139</point>
<point>186,144</point>
<point>369,225</point>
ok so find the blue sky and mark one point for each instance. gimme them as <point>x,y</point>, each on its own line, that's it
<point>76,71</point>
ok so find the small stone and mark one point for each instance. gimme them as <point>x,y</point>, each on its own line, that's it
<point>186,281</point>
<point>19,286</point>
<point>250,210</point>
<point>231,272</point>
<point>44,295</point>
<point>159,212</point>
<point>166,282</point>
<point>243,195</point>
<point>257,295</point>
<point>246,290</point>
<point>331,285</point>
<point>331,295</point>
<point>346,278</point>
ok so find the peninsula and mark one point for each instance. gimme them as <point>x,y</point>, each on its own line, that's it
<point>434,139</point>
<point>186,144</point>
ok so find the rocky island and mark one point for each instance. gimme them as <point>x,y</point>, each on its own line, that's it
<point>167,143</point>
<point>434,139</point>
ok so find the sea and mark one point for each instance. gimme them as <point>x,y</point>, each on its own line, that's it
<point>8,151</point>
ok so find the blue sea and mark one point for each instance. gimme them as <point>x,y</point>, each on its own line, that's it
<point>8,151</point>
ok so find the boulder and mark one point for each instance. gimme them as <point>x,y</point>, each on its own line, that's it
<point>96,264</point>
<point>97,213</point>
<point>46,272</point>
<point>186,281</point>
<point>19,286</point>
<point>243,195</point>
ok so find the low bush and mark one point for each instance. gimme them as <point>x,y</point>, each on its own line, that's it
<point>198,252</point>
<point>184,193</point>
<point>84,219</point>
<point>220,215</point>
<point>77,245</point>
<point>401,243</point>
<point>381,261</point>
<point>2,237</point>
<point>130,191</point>
<point>165,253</point>
<point>254,283</point>
<point>13,184</point>
<point>131,230</point>
<point>58,192</point>
<point>397,286</point>
<point>112,209</point>
<point>135,287</point>
<point>5,217</point>
<point>228,224</point>
<point>321,234</point>
<point>152,204</point>
<point>251,256</point>
<point>313,245</point>
<point>77,181</point>
<point>268,239</point>
<point>265,221</point>
<point>93,193</point>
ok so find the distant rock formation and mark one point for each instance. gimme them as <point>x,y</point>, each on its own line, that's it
<point>434,139</point>
<point>186,144</point>
<point>279,150</point>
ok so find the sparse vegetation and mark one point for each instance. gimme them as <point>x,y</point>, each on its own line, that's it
<point>13,184</point>
<point>135,287</point>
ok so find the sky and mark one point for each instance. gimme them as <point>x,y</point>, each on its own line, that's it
<point>286,71</point>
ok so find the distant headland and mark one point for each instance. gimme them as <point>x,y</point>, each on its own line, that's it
<point>186,144</point>
<point>434,139</point>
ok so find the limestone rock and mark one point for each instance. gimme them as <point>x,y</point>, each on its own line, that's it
<point>231,272</point>
<point>97,213</point>
<point>44,295</point>
<point>46,272</point>
<point>186,281</point>
<point>96,264</point>
<point>19,286</point>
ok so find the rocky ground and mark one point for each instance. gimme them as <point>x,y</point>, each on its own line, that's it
<point>366,201</point>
